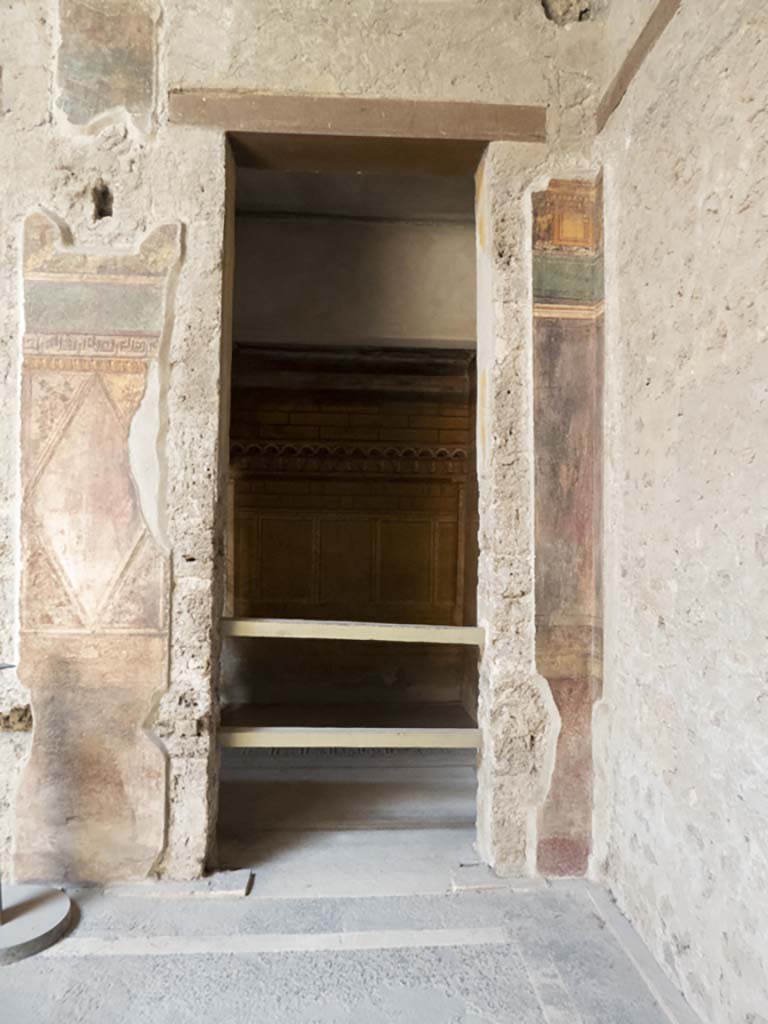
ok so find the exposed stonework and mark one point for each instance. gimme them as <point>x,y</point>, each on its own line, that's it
<point>95,584</point>
<point>106,60</point>
<point>176,175</point>
<point>681,737</point>
<point>17,719</point>
<point>565,11</point>
<point>517,716</point>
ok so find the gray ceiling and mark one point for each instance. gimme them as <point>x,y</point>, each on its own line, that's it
<point>368,196</point>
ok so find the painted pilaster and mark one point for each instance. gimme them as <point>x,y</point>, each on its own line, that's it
<point>568,344</point>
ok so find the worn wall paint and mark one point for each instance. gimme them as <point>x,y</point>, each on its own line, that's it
<point>72,118</point>
<point>176,175</point>
<point>107,58</point>
<point>567,386</point>
<point>681,738</point>
<point>70,124</point>
<point>94,580</point>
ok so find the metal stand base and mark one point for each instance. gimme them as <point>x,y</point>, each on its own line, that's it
<point>33,919</point>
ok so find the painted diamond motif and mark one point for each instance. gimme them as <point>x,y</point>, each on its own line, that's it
<point>85,501</point>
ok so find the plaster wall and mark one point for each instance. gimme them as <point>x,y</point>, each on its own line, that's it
<point>438,49</point>
<point>73,120</point>
<point>681,748</point>
<point>174,176</point>
<point>360,282</point>
<point>623,21</point>
<point>494,51</point>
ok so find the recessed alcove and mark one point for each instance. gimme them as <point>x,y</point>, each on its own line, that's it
<point>351,617</point>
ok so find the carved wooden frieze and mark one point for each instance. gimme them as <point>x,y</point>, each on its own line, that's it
<point>95,580</point>
<point>360,459</point>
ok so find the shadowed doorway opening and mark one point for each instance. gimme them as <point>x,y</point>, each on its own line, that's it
<point>350,655</point>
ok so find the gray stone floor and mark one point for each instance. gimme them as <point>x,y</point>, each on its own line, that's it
<point>367,907</point>
<point>544,956</point>
<point>320,824</point>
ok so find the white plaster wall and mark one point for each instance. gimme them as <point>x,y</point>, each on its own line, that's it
<point>681,737</point>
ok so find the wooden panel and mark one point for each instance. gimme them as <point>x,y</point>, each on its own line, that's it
<point>381,567</point>
<point>295,670</point>
<point>350,738</point>
<point>447,544</point>
<point>350,116</point>
<point>323,716</point>
<point>346,560</point>
<point>245,563</point>
<point>367,726</point>
<point>405,561</point>
<point>415,384</point>
<point>376,480</point>
<point>286,559</point>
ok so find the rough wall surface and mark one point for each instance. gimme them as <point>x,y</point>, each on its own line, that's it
<point>517,716</point>
<point>623,21</point>
<point>681,738</point>
<point>175,175</point>
<point>494,51</point>
<point>94,575</point>
<point>441,49</point>
<point>83,108</point>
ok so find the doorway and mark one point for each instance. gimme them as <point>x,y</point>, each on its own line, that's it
<point>349,668</point>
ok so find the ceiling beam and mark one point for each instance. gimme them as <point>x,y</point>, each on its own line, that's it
<point>614,94</point>
<point>350,116</point>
